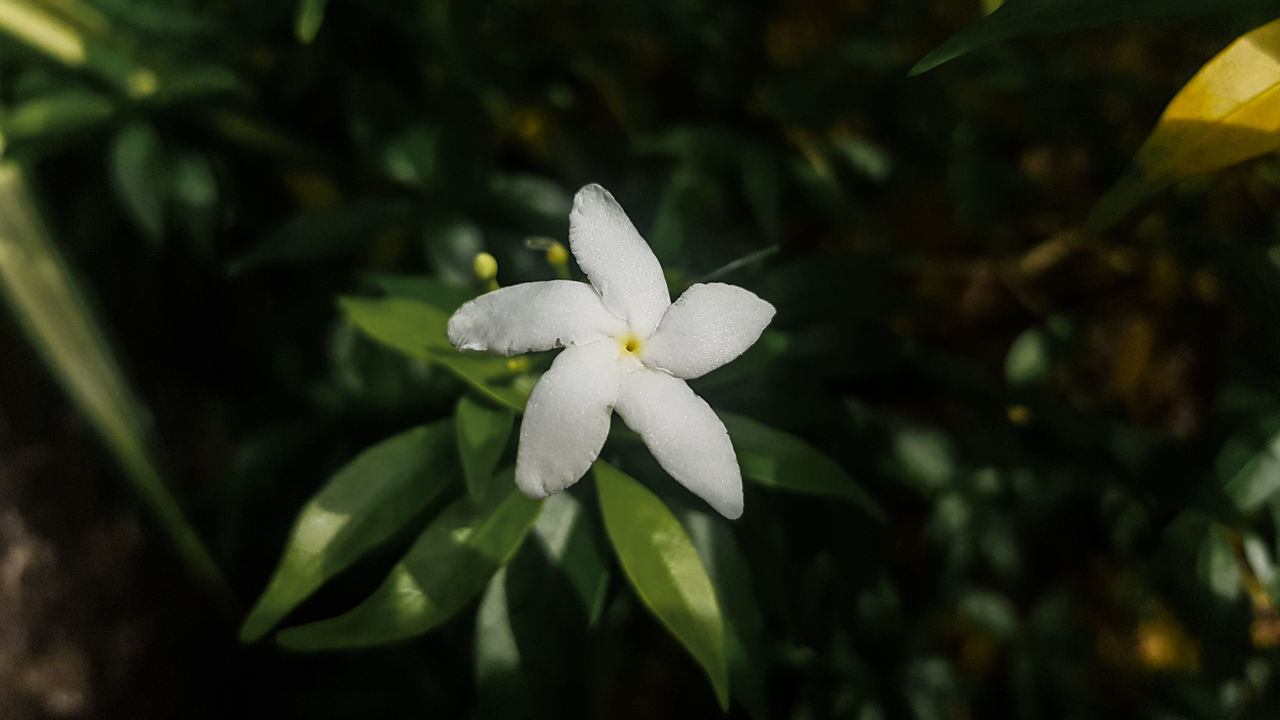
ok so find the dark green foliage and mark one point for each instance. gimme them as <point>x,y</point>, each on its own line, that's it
<point>996,466</point>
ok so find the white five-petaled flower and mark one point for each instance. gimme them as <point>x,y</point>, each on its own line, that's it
<point>627,348</point>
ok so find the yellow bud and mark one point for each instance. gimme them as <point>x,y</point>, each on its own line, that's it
<point>557,254</point>
<point>485,266</point>
<point>558,258</point>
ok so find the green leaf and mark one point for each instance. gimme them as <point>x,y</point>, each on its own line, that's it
<point>1258,554</point>
<point>139,175</point>
<point>55,115</point>
<point>1029,357</point>
<point>482,436</point>
<point>1019,18</point>
<point>1228,113</point>
<point>1216,565</point>
<point>922,456</point>
<point>529,637</point>
<point>362,505</point>
<point>570,542</point>
<point>992,611</point>
<point>325,233</point>
<point>663,568</point>
<point>1249,463</point>
<point>745,640</point>
<point>306,22</point>
<point>57,319</point>
<point>448,565</point>
<point>500,669</point>
<point>75,36</point>
<point>419,330</point>
<point>785,462</point>
<point>408,326</point>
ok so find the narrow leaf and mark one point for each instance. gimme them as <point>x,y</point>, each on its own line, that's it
<point>1228,113</point>
<point>482,432</point>
<point>138,172</point>
<point>58,321</point>
<point>76,40</point>
<point>779,460</point>
<point>361,506</point>
<point>446,568</point>
<point>306,23</point>
<point>55,116</point>
<point>418,330</point>
<point>1216,565</point>
<point>1258,554</point>
<point>1020,18</point>
<point>663,568</point>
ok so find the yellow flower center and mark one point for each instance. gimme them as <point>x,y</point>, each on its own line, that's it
<point>630,343</point>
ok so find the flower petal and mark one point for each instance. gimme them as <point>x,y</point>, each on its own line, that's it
<point>617,260</point>
<point>685,436</point>
<point>567,418</point>
<point>708,326</point>
<point>533,316</point>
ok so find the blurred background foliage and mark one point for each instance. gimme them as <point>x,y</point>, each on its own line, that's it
<point>1073,436</point>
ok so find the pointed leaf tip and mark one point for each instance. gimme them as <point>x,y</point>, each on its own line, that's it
<point>448,565</point>
<point>363,504</point>
<point>664,569</point>
<point>1227,113</point>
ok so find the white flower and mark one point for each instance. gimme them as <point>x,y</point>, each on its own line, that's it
<point>627,348</point>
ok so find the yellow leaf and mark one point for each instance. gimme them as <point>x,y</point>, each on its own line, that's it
<point>1228,113</point>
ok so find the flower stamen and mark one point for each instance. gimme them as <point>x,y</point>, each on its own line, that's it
<point>630,343</point>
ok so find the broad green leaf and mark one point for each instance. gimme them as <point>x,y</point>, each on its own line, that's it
<point>325,233</point>
<point>306,22</point>
<point>408,326</point>
<point>55,115</point>
<point>446,568</point>
<point>1228,113</point>
<point>139,176</point>
<point>501,671</point>
<point>482,432</point>
<point>1019,18</point>
<point>362,505</point>
<point>663,568</point>
<point>783,461</point>
<point>1249,464</point>
<point>418,330</point>
<point>59,322</point>
<point>529,637</point>
<point>745,642</point>
<point>569,540</point>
